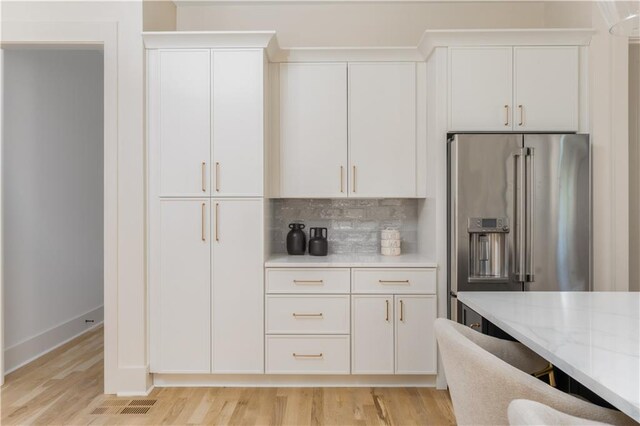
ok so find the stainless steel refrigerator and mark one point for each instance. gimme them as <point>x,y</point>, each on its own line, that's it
<point>519,214</point>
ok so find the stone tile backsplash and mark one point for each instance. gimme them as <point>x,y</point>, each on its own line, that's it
<point>353,226</point>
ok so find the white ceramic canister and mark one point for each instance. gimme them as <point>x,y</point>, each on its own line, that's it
<point>390,251</point>
<point>389,234</point>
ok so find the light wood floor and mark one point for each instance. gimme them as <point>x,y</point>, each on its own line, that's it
<point>65,387</point>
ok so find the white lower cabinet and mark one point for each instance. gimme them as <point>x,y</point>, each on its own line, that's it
<point>372,327</point>
<point>181,292</point>
<point>415,338</point>
<point>237,286</point>
<point>311,331</point>
<point>400,328</point>
<point>307,354</point>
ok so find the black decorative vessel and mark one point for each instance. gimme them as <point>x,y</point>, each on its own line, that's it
<point>296,239</point>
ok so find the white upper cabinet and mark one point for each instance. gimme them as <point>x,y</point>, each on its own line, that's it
<point>546,86</point>
<point>180,121</point>
<point>238,130</point>
<point>526,88</point>
<point>382,129</point>
<point>480,88</point>
<point>313,130</point>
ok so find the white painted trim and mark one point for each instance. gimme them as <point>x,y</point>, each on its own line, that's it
<point>504,37</point>
<point>41,344</point>
<point>1,209</point>
<point>209,39</point>
<point>347,54</point>
<point>106,35</point>
<point>292,380</point>
<point>418,53</point>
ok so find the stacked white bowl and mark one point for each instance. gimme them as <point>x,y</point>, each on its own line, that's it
<point>390,242</point>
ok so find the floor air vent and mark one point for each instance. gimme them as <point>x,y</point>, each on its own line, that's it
<point>143,402</point>
<point>135,410</point>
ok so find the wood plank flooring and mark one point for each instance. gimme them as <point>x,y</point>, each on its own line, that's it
<point>65,387</point>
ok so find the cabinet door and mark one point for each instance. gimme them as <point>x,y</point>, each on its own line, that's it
<point>313,130</point>
<point>546,88</point>
<point>415,337</point>
<point>372,327</point>
<point>382,130</point>
<point>179,121</point>
<point>180,284</point>
<point>238,128</point>
<point>480,87</point>
<point>238,288</point>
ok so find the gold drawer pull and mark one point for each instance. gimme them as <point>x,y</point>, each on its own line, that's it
<point>307,355</point>
<point>204,177</point>
<point>308,281</point>
<point>387,317</point>
<point>217,177</point>
<point>318,315</point>
<point>401,310</point>
<point>393,282</point>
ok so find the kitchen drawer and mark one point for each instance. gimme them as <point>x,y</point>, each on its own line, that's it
<point>307,315</point>
<point>308,280</point>
<point>394,280</point>
<point>307,355</point>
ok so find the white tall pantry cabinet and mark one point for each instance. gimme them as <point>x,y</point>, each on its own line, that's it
<point>206,211</point>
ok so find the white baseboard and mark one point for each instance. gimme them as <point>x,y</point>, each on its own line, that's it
<point>134,381</point>
<point>34,347</point>
<point>286,380</point>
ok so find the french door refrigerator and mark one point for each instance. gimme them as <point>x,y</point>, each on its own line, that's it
<point>519,214</point>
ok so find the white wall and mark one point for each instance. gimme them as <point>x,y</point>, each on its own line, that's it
<point>126,361</point>
<point>52,188</point>
<point>158,15</point>
<point>356,23</point>
<point>634,167</point>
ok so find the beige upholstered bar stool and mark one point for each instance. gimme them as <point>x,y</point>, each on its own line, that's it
<point>485,374</point>
<point>523,412</point>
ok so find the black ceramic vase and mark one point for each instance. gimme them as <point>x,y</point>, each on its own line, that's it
<point>296,239</point>
<point>318,244</point>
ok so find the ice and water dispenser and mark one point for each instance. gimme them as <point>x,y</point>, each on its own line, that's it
<point>488,255</point>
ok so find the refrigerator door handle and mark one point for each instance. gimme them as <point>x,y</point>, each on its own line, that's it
<point>520,204</point>
<point>530,188</point>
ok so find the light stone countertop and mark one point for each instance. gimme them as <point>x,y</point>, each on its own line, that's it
<point>593,337</point>
<point>349,261</point>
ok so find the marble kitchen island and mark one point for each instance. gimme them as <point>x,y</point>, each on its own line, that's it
<point>593,337</point>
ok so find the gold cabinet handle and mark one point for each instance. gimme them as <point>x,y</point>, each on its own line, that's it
<point>307,355</point>
<point>342,179</point>
<point>204,177</point>
<point>217,177</point>
<point>354,178</point>
<point>204,213</point>
<point>393,281</point>
<point>475,325</point>
<point>401,310</point>
<point>387,317</point>
<point>217,220</point>
<point>521,110</point>
<point>506,114</point>
<point>308,281</point>
<point>318,315</point>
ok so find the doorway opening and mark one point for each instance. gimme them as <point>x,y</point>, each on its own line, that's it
<point>52,202</point>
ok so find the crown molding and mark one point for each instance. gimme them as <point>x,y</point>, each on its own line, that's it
<point>211,39</point>
<point>504,37</point>
<point>430,40</point>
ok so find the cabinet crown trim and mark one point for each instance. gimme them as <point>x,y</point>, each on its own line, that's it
<point>432,39</point>
<point>212,40</point>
